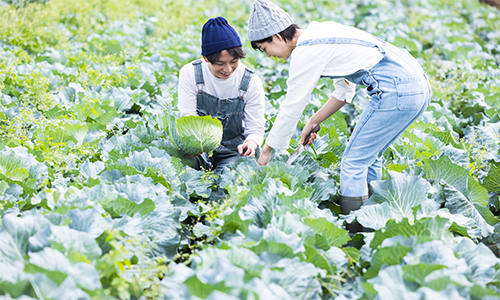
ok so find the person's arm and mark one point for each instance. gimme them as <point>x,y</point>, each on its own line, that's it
<point>344,92</point>
<point>253,117</point>
<point>305,70</point>
<point>187,91</point>
<point>331,106</point>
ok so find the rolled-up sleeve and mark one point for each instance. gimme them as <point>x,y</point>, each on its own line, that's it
<point>344,90</point>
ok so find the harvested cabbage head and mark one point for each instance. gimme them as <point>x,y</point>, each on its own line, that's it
<point>194,134</point>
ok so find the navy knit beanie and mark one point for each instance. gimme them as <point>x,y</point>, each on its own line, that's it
<point>217,35</point>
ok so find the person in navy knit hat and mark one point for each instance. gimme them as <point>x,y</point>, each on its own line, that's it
<point>221,86</point>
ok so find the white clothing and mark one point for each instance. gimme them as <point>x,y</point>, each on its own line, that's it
<point>253,115</point>
<point>308,63</point>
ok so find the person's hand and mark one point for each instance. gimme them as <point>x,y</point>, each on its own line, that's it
<point>265,155</point>
<point>247,148</point>
<point>306,131</point>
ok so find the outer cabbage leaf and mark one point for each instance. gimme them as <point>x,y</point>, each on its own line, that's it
<point>394,198</point>
<point>218,274</point>
<point>323,189</point>
<point>390,284</point>
<point>160,229</point>
<point>195,134</point>
<point>384,257</point>
<point>482,263</point>
<point>57,267</point>
<point>492,180</point>
<point>13,280</point>
<point>239,256</point>
<point>67,290</point>
<point>433,253</point>
<point>118,146</point>
<point>335,236</point>
<point>444,169</point>
<point>298,278</point>
<point>90,221</point>
<point>63,133</point>
<point>17,166</point>
<point>425,229</point>
<point>267,290</point>
<point>15,236</point>
<point>457,203</point>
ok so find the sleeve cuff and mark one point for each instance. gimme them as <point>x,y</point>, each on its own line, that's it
<point>344,91</point>
<point>256,138</point>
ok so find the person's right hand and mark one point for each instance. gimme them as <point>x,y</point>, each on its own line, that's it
<point>265,155</point>
<point>306,131</point>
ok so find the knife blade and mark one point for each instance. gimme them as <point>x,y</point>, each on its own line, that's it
<point>302,147</point>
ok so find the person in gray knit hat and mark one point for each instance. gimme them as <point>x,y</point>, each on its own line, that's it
<point>398,86</point>
<point>267,19</point>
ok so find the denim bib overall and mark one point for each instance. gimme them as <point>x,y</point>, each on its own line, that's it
<point>400,93</point>
<point>229,112</point>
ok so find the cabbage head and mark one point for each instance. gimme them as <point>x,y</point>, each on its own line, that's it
<point>194,134</point>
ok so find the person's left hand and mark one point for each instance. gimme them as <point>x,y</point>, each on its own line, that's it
<point>247,148</point>
<point>265,155</point>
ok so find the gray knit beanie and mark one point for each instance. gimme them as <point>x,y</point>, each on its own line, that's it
<point>266,19</point>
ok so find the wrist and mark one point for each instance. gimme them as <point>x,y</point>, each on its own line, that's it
<point>267,148</point>
<point>313,121</point>
<point>251,143</point>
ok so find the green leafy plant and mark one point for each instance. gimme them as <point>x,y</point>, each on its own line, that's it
<point>195,135</point>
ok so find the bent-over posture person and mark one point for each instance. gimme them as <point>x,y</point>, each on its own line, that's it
<point>397,84</point>
<point>221,86</point>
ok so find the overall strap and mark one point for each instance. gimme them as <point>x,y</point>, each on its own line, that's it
<point>198,75</point>
<point>245,82</point>
<point>337,41</point>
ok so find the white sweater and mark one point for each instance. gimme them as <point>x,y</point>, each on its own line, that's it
<point>308,63</point>
<point>253,116</point>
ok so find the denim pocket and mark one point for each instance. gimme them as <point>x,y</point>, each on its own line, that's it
<point>201,111</point>
<point>204,112</point>
<point>410,92</point>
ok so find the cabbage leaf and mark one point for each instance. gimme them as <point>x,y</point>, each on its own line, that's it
<point>195,134</point>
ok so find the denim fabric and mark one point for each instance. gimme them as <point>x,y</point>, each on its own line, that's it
<point>230,113</point>
<point>400,93</point>
<point>218,161</point>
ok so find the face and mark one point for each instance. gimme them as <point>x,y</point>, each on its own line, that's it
<point>276,48</point>
<point>225,66</point>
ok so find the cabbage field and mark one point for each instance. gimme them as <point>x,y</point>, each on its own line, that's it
<point>97,201</point>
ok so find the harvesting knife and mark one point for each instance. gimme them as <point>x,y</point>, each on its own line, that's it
<point>302,147</point>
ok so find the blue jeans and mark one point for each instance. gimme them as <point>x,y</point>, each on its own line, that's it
<point>219,160</point>
<point>400,93</point>
<point>381,123</point>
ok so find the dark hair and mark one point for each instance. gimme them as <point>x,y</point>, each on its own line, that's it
<point>286,34</point>
<point>236,52</point>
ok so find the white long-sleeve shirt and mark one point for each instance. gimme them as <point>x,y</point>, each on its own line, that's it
<point>308,63</point>
<point>253,115</point>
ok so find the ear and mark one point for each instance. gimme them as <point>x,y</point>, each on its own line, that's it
<point>206,59</point>
<point>278,36</point>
